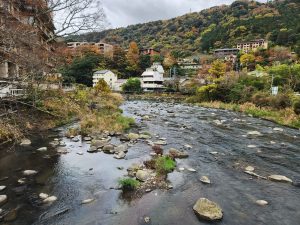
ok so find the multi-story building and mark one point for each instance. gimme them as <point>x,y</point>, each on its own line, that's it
<point>153,78</point>
<point>103,48</point>
<point>223,52</point>
<point>26,28</point>
<point>252,45</point>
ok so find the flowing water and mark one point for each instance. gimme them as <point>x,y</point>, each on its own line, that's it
<point>73,178</point>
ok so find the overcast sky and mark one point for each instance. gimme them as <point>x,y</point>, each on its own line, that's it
<point>121,13</point>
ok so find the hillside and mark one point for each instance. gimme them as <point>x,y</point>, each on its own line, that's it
<point>220,26</point>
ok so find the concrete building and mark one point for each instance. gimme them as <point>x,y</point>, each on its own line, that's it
<point>103,48</point>
<point>109,77</point>
<point>252,45</point>
<point>153,78</point>
<point>21,15</point>
<point>223,52</point>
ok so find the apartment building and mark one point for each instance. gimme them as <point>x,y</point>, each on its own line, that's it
<point>103,48</point>
<point>16,17</point>
<point>252,45</point>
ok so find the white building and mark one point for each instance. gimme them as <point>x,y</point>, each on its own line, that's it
<point>153,78</point>
<point>118,84</point>
<point>109,77</point>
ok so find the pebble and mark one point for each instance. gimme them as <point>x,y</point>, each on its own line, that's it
<point>87,201</point>
<point>2,188</point>
<point>262,202</point>
<point>50,199</point>
<point>249,168</point>
<point>251,146</point>
<point>191,170</point>
<point>29,172</point>
<point>147,219</point>
<point>43,196</point>
<point>79,153</point>
<point>43,149</point>
<point>214,153</point>
<point>278,129</point>
<point>22,181</point>
<point>205,180</point>
<point>181,169</point>
<point>188,146</point>
<point>280,178</point>
<point>3,199</point>
<point>254,133</point>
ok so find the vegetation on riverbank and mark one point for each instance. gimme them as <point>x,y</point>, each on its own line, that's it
<point>285,116</point>
<point>97,111</point>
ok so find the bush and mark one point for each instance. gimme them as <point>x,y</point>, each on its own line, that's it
<point>158,150</point>
<point>164,165</point>
<point>129,184</point>
<point>296,107</point>
<point>263,99</point>
<point>133,85</point>
<point>102,87</point>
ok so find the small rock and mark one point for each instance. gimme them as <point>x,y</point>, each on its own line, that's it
<point>62,150</point>
<point>256,133</point>
<point>98,143</point>
<point>262,202</point>
<point>208,210</point>
<point>146,117</point>
<point>120,168</point>
<point>92,149</point>
<point>43,149</point>
<point>62,144</point>
<point>205,180</point>
<point>11,215</point>
<point>133,136</point>
<point>178,154</point>
<point>76,139</point>
<point>280,178</point>
<point>43,196</point>
<point>145,136</point>
<point>22,181</point>
<point>278,129</point>
<point>214,153</point>
<point>147,219</point>
<point>142,175</point>
<point>188,146</point>
<point>121,148</point>
<point>191,170</point>
<point>87,201</point>
<point>79,153</point>
<point>50,199</point>
<point>120,155</point>
<point>148,190</point>
<point>108,149</point>
<point>272,142</point>
<point>29,172</point>
<point>251,146</point>
<point>25,142</point>
<point>249,168</point>
<point>181,169</point>
<point>160,142</point>
<point>87,138</point>
<point>2,188</point>
<point>3,199</point>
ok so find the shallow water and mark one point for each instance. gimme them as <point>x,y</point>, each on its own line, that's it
<point>70,179</point>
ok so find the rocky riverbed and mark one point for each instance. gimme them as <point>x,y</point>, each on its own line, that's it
<point>245,167</point>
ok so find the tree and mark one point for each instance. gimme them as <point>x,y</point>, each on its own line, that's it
<point>133,56</point>
<point>144,62</point>
<point>102,87</point>
<point>246,59</point>
<point>133,85</point>
<point>218,68</point>
<point>169,61</point>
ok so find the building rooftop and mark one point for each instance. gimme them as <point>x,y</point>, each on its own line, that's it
<point>102,71</point>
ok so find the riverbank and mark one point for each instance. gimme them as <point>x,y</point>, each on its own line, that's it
<point>286,117</point>
<point>156,97</point>
<point>97,112</point>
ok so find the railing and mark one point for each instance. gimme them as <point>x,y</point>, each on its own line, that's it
<point>16,92</point>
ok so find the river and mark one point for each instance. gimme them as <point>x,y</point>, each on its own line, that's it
<point>73,178</point>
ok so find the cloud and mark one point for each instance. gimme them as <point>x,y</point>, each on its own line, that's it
<point>121,13</point>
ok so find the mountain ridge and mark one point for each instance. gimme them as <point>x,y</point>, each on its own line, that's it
<point>215,27</point>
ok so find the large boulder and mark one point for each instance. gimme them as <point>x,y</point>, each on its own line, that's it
<point>208,210</point>
<point>178,154</point>
<point>121,148</point>
<point>142,175</point>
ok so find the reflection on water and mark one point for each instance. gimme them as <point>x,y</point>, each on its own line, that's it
<point>73,178</point>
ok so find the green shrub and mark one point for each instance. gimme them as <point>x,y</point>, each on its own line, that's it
<point>129,184</point>
<point>296,107</point>
<point>133,85</point>
<point>164,165</point>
